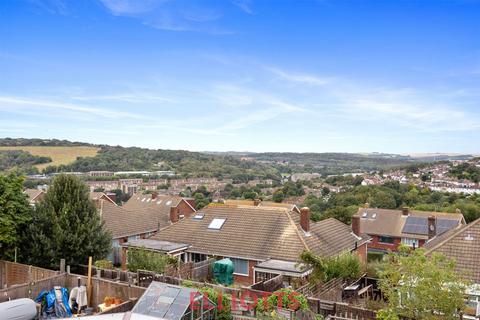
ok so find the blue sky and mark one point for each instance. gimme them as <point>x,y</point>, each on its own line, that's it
<point>331,75</point>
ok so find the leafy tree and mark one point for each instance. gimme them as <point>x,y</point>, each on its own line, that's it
<point>15,213</point>
<point>344,266</point>
<point>65,225</point>
<point>421,287</point>
<point>278,196</point>
<point>142,259</point>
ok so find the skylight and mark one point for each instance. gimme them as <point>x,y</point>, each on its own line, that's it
<point>168,202</point>
<point>199,216</point>
<point>216,224</point>
<point>364,215</point>
<point>374,216</point>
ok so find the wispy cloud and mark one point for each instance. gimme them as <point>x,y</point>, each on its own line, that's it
<point>51,6</point>
<point>171,15</point>
<point>126,97</point>
<point>299,78</point>
<point>414,108</point>
<point>9,102</point>
<point>244,5</point>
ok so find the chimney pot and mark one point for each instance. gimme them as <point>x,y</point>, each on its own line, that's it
<point>305,219</point>
<point>405,211</point>
<point>174,214</point>
<point>356,225</point>
<point>256,202</point>
<point>154,195</point>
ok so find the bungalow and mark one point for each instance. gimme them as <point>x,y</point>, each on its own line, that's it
<point>390,228</point>
<point>141,217</point>
<point>261,241</point>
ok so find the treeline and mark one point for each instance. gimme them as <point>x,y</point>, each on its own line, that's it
<point>185,163</point>
<point>466,170</point>
<point>21,161</point>
<point>21,142</point>
<point>391,195</point>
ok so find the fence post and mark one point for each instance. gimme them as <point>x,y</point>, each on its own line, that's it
<point>62,265</point>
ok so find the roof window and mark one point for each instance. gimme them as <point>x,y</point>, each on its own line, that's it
<point>216,224</point>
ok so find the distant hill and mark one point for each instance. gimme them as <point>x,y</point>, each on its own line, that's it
<point>240,166</point>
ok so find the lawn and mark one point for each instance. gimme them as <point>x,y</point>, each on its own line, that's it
<point>59,155</point>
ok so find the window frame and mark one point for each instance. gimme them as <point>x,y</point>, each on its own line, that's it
<point>386,237</point>
<point>239,273</point>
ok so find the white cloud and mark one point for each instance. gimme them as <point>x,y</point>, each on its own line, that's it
<point>299,78</point>
<point>244,5</point>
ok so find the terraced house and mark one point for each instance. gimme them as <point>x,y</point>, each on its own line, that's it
<point>261,241</point>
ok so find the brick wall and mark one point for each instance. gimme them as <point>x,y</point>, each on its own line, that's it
<point>362,253</point>
<point>376,244</point>
<point>246,280</point>
<point>184,208</point>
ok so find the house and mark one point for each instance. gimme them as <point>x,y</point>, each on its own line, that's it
<point>160,205</point>
<point>34,195</point>
<point>125,225</point>
<point>141,217</point>
<point>97,196</point>
<point>260,203</point>
<point>462,245</point>
<point>390,228</point>
<point>262,241</point>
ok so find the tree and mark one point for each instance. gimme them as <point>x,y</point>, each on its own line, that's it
<point>15,214</point>
<point>418,286</point>
<point>324,269</point>
<point>65,225</point>
<point>278,196</point>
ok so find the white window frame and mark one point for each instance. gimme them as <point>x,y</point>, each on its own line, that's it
<point>239,273</point>
<point>409,242</point>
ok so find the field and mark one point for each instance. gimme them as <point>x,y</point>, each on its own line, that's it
<point>59,155</point>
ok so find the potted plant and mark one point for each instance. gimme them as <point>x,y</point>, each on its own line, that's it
<point>117,301</point>
<point>108,301</point>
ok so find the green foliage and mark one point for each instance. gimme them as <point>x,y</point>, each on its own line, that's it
<point>21,161</point>
<point>467,171</point>
<point>15,213</point>
<point>142,259</point>
<point>417,286</point>
<point>290,300</point>
<point>103,264</point>
<point>392,195</point>
<point>344,266</point>
<point>278,196</point>
<point>65,225</point>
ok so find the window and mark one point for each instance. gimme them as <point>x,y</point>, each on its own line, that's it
<point>410,242</point>
<point>216,224</point>
<point>240,266</point>
<point>387,240</point>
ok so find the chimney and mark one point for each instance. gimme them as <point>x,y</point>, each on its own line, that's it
<point>174,214</point>
<point>432,226</point>
<point>256,202</point>
<point>154,195</point>
<point>405,211</point>
<point>305,219</point>
<point>356,225</point>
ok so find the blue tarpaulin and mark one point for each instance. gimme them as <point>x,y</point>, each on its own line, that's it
<point>50,307</point>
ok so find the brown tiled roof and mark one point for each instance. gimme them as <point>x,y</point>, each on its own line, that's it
<point>32,194</point>
<point>157,210</point>
<point>96,196</point>
<point>462,245</point>
<point>123,223</point>
<point>257,233</point>
<point>389,222</point>
<point>288,206</point>
<point>232,202</point>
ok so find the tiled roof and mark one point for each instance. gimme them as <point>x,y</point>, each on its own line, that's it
<point>462,245</point>
<point>387,222</point>
<point>123,223</point>
<point>258,233</point>
<point>32,194</point>
<point>288,206</point>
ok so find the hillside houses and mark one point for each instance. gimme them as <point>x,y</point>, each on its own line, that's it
<point>262,241</point>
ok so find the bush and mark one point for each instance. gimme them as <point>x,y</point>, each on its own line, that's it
<point>290,300</point>
<point>104,264</point>
<point>142,259</point>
